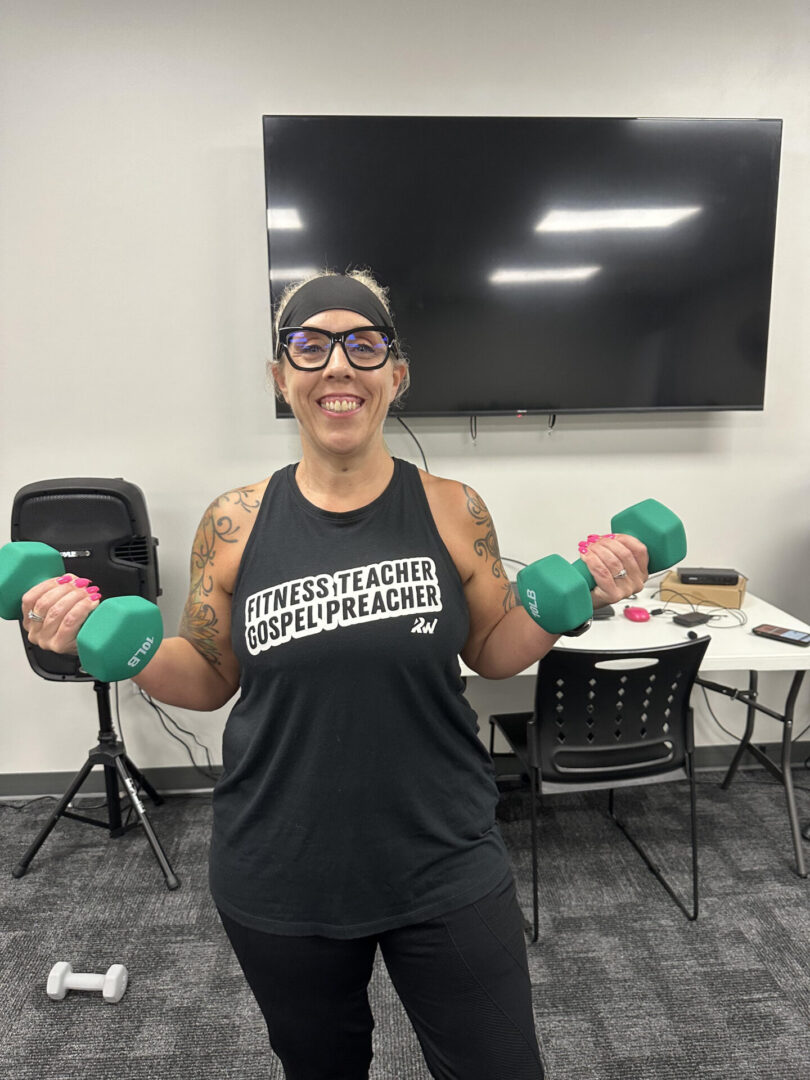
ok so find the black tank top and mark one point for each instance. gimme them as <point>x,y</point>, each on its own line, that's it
<point>356,794</point>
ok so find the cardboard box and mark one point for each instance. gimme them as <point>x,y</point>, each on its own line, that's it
<point>726,596</point>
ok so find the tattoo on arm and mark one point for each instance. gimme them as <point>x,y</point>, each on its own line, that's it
<point>200,624</point>
<point>486,545</point>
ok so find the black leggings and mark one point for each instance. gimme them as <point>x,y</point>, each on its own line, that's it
<point>463,979</point>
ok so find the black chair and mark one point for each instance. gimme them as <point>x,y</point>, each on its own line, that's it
<point>606,720</point>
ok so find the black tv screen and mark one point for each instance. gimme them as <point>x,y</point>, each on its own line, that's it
<point>543,265</point>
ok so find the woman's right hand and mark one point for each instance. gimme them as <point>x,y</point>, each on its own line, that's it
<point>55,610</point>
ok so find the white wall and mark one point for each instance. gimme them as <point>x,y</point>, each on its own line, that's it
<point>133,282</point>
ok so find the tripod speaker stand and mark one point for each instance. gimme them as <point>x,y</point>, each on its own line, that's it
<point>101,529</point>
<point>118,768</point>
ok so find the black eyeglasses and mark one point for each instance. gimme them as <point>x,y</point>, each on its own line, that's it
<point>366,347</point>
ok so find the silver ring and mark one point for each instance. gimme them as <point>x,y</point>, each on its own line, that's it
<point>34,617</point>
<point>622,573</point>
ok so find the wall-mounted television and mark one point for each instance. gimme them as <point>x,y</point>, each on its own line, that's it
<point>543,264</point>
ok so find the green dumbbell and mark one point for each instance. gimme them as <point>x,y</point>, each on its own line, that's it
<point>117,640</point>
<point>655,525</point>
<point>557,594</point>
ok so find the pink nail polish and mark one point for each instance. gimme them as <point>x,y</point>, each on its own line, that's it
<point>81,582</point>
<point>593,538</point>
<point>64,579</point>
<point>93,589</point>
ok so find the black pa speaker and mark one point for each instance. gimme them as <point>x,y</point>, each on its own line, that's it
<point>101,529</point>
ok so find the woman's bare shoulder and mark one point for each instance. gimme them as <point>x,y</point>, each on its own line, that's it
<point>462,519</point>
<point>451,499</point>
<point>224,530</point>
<point>239,502</point>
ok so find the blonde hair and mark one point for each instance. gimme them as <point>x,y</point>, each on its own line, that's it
<point>365,277</point>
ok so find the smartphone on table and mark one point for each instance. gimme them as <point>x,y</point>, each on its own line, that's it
<point>782,633</point>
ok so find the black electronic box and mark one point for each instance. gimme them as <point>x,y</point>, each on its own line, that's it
<point>701,575</point>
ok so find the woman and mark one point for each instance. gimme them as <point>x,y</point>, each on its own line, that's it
<point>356,809</point>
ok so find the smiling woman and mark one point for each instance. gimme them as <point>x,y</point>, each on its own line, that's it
<point>356,806</point>
<point>360,584</point>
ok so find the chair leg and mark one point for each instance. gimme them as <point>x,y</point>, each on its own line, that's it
<point>653,867</point>
<point>535,905</point>
<point>693,814</point>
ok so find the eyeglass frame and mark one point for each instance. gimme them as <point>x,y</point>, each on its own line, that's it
<point>336,339</point>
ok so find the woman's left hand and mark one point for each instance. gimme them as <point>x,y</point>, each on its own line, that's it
<point>618,565</point>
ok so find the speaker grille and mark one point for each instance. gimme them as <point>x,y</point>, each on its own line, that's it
<point>136,550</point>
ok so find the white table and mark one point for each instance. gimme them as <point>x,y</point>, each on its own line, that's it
<point>731,648</point>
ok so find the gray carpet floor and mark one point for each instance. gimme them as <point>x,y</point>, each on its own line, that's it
<point>625,988</point>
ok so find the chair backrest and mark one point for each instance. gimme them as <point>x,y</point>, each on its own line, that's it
<point>603,715</point>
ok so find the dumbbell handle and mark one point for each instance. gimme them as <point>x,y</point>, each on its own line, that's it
<point>78,980</point>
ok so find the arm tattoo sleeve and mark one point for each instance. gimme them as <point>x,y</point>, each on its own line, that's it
<point>200,624</point>
<point>486,545</point>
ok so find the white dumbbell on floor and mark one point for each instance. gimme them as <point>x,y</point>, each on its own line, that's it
<point>63,978</point>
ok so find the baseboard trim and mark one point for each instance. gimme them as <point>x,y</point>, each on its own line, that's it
<point>172,780</point>
<point>185,780</point>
